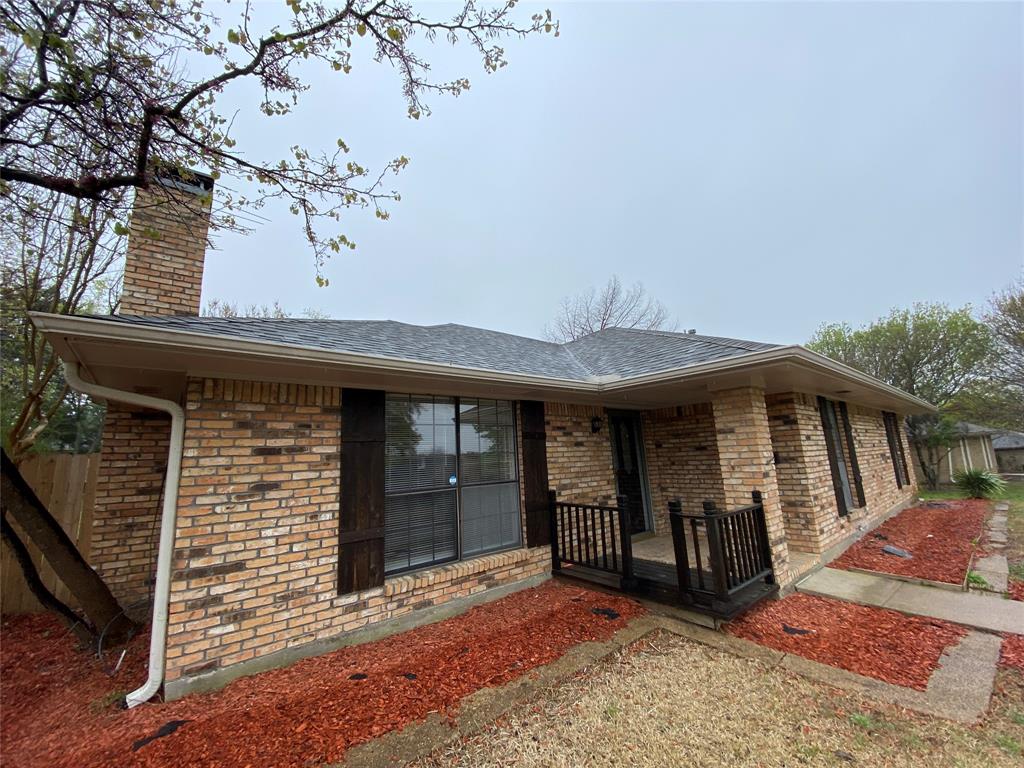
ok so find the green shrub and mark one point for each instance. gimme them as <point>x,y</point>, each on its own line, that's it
<point>979,483</point>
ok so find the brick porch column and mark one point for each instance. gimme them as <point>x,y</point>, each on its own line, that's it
<point>745,455</point>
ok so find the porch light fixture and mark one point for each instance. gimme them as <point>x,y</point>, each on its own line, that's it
<point>595,424</point>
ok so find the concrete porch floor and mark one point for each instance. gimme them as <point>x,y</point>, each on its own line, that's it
<point>659,549</point>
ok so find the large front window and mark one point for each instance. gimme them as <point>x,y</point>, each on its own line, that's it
<point>451,481</point>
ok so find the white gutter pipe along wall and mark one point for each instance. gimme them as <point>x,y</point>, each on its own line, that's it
<point>168,518</point>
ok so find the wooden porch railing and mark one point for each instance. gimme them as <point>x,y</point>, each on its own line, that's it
<point>592,536</point>
<point>730,550</point>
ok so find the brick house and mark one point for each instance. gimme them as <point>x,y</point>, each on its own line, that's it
<point>340,479</point>
<point>972,448</point>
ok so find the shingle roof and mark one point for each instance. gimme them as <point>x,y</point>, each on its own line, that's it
<point>632,352</point>
<point>612,352</point>
<point>968,429</point>
<point>1008,441</point>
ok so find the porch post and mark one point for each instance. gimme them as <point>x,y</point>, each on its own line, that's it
<point>675,514</point>
<point>556,552</point>
<point>626,541</point>
<point>748,465</point>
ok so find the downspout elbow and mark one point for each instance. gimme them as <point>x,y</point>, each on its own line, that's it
<point>168,521</point>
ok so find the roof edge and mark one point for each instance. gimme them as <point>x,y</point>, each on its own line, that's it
<point>127,332</point>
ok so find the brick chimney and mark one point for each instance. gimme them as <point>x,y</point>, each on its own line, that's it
<point>163,269</point>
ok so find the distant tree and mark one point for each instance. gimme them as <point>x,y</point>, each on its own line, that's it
<point>930,351</point>
<point>219,308</point>
<point>997,399</point>
<point>97,95</point>
<point>612,307</point>
<point>61,256</point>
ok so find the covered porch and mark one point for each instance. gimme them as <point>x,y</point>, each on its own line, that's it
<point>717,562</point>
<point>677,503</point>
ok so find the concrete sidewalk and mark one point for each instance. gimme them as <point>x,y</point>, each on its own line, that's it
<point>993,614</point>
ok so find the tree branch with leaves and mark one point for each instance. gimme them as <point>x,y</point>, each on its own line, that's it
<point>930,351</point>
<point>98,95</point>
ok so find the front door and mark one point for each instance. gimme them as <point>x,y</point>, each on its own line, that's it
<point>627,456</point>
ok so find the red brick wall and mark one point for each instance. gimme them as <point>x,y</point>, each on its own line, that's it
<point>805,480</point>
<point>129,495</point>
<point>255,566</point>
<point>682,459</point>
<point>163,271</point>
<point>745,452</point>
<point>580,465</point>
<point>809,505</point>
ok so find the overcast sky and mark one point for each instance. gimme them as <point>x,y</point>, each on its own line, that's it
<point>762,168</point>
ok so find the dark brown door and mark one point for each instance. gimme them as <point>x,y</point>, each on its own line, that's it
<point>628,461</point>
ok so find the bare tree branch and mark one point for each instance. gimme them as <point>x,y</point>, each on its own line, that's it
<point>612,307</point>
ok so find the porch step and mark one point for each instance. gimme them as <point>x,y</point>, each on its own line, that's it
<point>657,582</point>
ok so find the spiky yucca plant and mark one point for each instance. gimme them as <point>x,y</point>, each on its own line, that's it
<point>979,483</point>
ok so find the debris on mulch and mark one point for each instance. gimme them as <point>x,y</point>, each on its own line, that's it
<point>889,549</point>
<point>940,538</point>
<point>1012,652</point>
<point>886,645</point>
<point>306,714</point>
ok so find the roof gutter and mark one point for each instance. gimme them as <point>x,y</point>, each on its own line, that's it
<point>168,519</point>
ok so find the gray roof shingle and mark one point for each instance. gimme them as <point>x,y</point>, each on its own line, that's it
<point>631,352</point>
<point>612,352</point>
<point>1008,441</point>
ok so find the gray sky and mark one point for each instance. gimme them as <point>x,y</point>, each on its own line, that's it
<point>762,168</point>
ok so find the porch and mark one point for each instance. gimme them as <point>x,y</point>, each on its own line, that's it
<point>717,562</point>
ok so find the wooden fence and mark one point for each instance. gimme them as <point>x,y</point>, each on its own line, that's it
<point>66,484</point>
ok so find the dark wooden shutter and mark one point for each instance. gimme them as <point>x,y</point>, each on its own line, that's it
<point>891,437</point>
<point>361,522</point>
<point>897,426</point>
<point>834,457</point>
<point>535,473</point>
<point>848,431</point>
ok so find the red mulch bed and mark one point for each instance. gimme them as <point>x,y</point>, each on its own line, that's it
<point>941,541</point>
<point>305,714</point>
<point>1015,589</point>
<point>1012,652</point>
<point>886,645</point>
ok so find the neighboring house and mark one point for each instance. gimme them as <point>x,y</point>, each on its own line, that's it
<point>1009,450</point>
<point>336,475</point>
<point>971,449</point>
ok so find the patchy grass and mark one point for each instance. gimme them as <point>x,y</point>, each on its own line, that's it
<point>679,702</point>
<point>1014,492</point>
<point>977,580</point>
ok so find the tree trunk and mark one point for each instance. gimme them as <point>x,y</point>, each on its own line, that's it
<point>83,630</point>
<point>928,466</point>
<point>99,605</point>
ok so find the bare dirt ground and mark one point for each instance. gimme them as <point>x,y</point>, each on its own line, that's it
<point>668,701</point>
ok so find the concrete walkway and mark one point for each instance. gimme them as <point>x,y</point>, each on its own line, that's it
<point>993,614</point>
<point>994,568</point>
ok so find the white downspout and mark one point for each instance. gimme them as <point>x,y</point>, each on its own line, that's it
<point>168,518</point>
